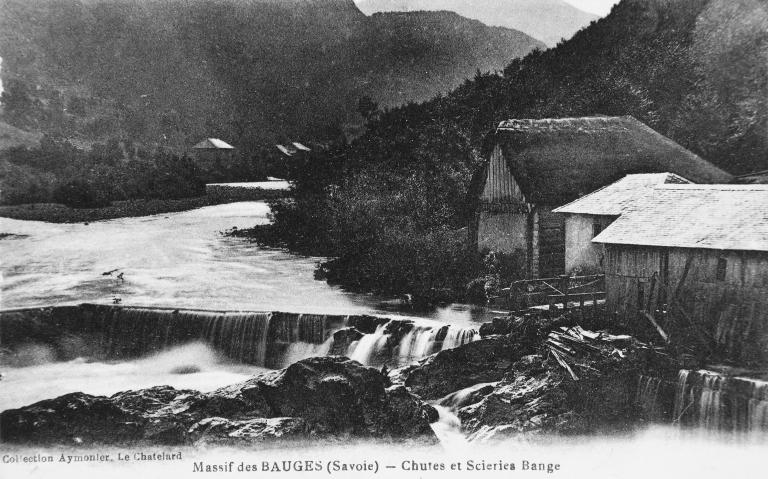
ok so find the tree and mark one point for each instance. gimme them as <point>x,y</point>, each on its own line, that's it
<point>18,104</point>
<point>367,108</point>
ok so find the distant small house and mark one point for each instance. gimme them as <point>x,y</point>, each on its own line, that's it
<point>700,253</point>
<point>213,150</point>
<point>588,216</point>
<point>535,166</point>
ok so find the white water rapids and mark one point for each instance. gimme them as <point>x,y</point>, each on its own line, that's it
<point>181,260</point>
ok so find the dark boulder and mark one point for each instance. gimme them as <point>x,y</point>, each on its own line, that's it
<point>524,401</point>
<point>483,361</point>
<point>342,339</point>
<point>75,418</point>
<point>499,325</point>
<point>335,395</point>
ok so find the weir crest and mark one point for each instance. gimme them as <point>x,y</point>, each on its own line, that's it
<point>268,339</point>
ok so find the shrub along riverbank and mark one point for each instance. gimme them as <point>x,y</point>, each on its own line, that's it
<point>59,213</point>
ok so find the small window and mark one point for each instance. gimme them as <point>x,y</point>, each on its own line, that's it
<point>596,229</point>
<point>722,265</point>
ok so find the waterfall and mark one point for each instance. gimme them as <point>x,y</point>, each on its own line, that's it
<point>241,337</point>
<point>447,428</point>
<point>682,402</point>
<point>268,339</point>
<point>419,342</point>
<point>364,350</point>
<point>714,401</point>
<point>647,396</point>
<point>458,399</point>
<point>710,402</point>
<point>751,414</point>
<point>302,350</point>
<point>388,344</point>
<point>459,336</point>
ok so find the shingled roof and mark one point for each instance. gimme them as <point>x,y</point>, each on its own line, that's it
<point>722,217</point>
<point>558,160</point>
<point>615,198</point>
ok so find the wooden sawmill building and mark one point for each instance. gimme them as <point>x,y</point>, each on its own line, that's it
<point>534,166</point>
<point>693,259</point>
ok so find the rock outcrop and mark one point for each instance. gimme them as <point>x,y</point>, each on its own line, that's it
<point>486,360</point>
<point>539,394</point>
<point>317,398</point>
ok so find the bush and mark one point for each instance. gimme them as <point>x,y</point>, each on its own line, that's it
<point>80,194</point>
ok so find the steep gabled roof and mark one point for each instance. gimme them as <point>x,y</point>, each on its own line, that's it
<point>723,217</point>
<point>558,160</point>
<point>615,198</point>
<point>213,144</point>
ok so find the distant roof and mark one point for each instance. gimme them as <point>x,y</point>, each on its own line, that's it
<point>213,144</point>
<point>615,198</point>
<point>292,148</point>
<point>558,160</point>
<point>723,217</point>
<point>285,151</point>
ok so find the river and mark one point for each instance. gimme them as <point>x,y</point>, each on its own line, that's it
<point>177,260</point>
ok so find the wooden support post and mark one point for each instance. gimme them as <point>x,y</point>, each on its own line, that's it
<point>656,325</point>
<point>564,283</point>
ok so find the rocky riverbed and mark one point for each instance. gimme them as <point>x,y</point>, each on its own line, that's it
<point>525,376</point>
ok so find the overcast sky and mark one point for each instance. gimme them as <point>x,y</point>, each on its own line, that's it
<point>598,7</point>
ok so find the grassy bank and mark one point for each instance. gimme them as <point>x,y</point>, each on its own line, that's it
<point>58,213</point>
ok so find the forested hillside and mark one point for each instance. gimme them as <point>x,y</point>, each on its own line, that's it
<point>173,71</point>
<point>390,205</point>
<point>548,20</point>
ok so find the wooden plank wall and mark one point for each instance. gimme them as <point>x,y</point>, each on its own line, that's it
<point>500,186</point>
<point>731,313</point>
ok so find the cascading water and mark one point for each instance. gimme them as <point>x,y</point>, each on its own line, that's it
<point>264,339</point>
<point>383,345</point>
<point>718,402</point>
<point>240,336</point>
<point>757,407</point>
<point>416,344</point>
<point>710,403</point>
<point>301,350</point>
<point>458,399</point>
<point>682,401</point>
<point>458,336</point>
<point>448,426</point>
<point>648,388</point>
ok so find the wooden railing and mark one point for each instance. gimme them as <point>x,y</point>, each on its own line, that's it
<point>558,293</point>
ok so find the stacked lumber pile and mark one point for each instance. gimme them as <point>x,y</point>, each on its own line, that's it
<point>576,348</point>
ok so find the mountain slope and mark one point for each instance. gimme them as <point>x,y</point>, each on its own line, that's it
<point>693,70</point>
<point>547,20</point>
<point>171,71</point>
